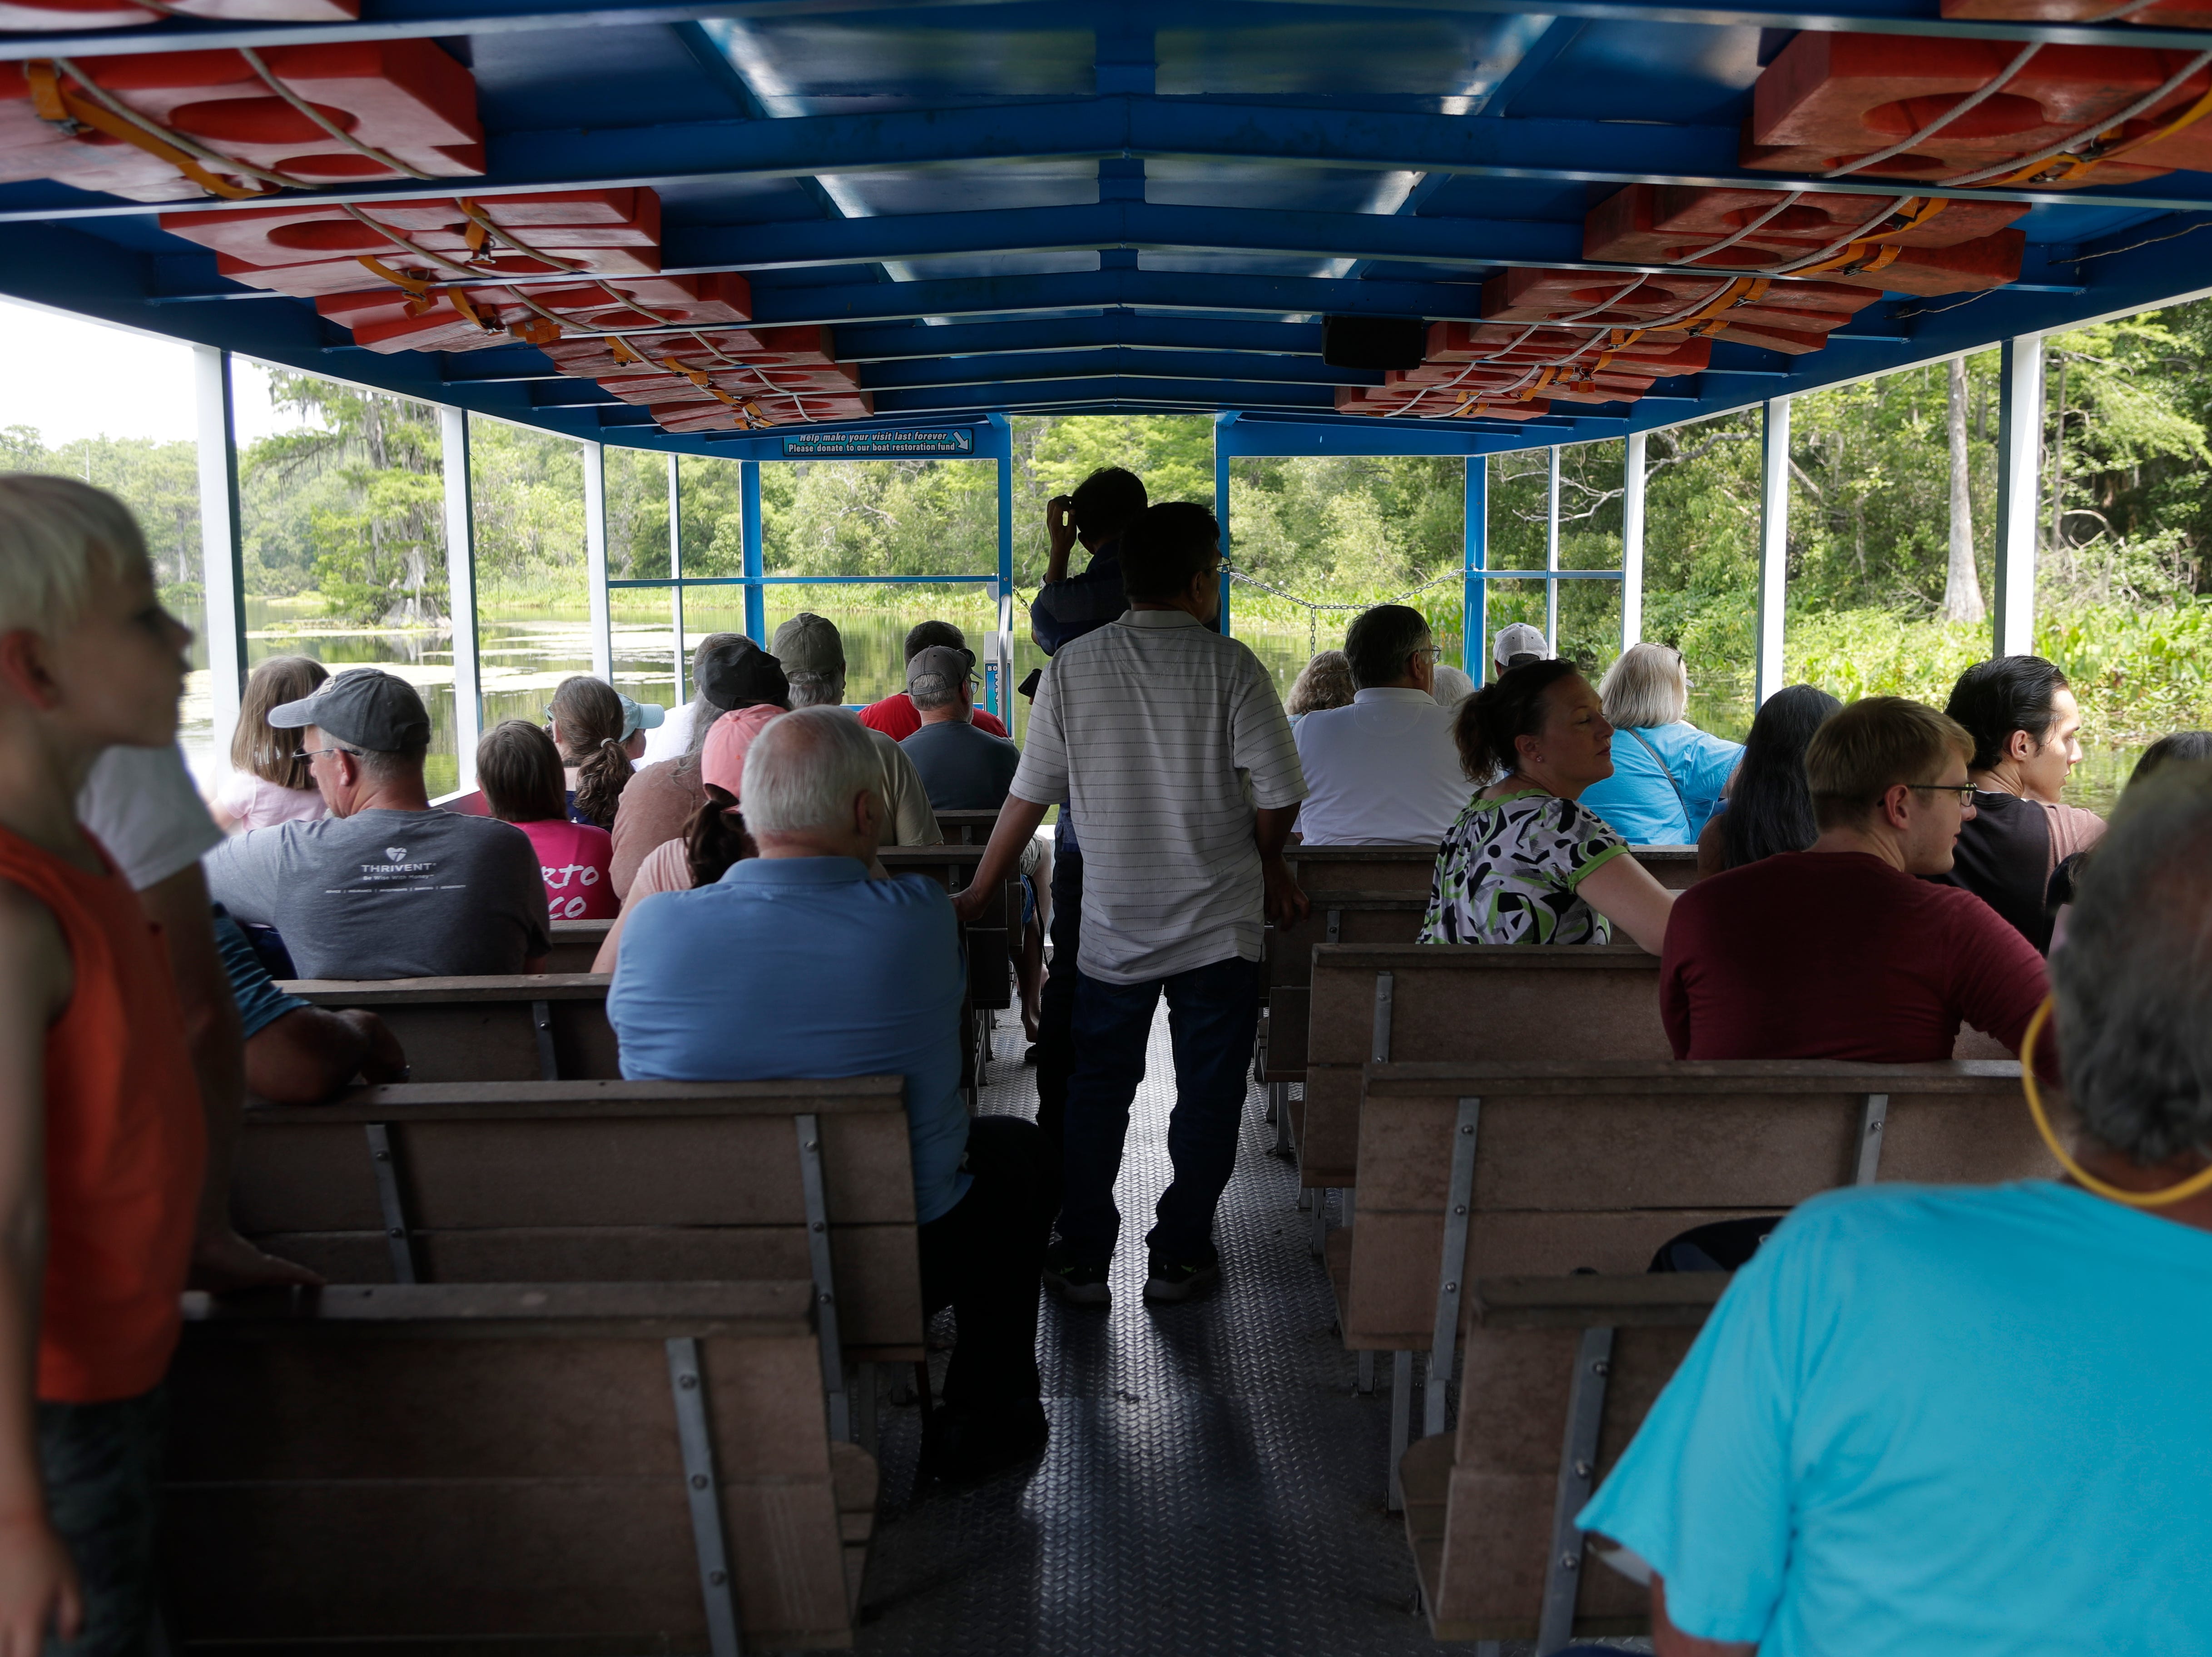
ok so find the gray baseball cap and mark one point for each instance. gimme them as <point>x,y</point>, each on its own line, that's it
<point>809,643</point>
<point>941,661</point>
<point>364,708</point>
<point>1520,643</point>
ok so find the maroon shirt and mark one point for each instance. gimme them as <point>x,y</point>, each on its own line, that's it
<point>1837,955</point>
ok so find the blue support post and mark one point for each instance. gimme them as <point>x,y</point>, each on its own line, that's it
<point>1221,508</point>
<point>756,594</point>
<point>1474,595</point>
<point>999,688</point>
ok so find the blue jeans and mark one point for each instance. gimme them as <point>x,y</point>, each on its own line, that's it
<point>1214,1012</point>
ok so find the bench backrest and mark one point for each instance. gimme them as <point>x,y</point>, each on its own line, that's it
<point>599,1182</point>
<point>498,1027</point>
<point>967,828</point>
<point>1412,866</point>
<point>1564,1166</point>
<point>603,1467</point>
<point>1461,1002</point>
<point>1560,1372</point>
<point>989,975</point>
<point>576,945</point>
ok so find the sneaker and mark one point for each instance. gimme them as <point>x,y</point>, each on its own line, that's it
<point>1172,1280</point>
<point>1076,1280</point>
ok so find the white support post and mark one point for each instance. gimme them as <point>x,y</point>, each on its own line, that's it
<point>2020,494</point>
<point>222,565</point>
<point>1631,544</point>
<point>1551,557</point>
<point>595,560</point>
<point>676,576</point>
<point>1773,546</point>
<point>461,591</point>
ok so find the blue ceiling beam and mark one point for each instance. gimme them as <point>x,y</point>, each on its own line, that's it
<point>1317,135</point>
<point>901,342</point>
<point>1014,368</point>
<point>384,20</point>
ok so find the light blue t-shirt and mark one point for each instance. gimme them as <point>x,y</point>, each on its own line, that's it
<point>1638,800</point>
<point>1929,1422</point>
<point>803,966</point>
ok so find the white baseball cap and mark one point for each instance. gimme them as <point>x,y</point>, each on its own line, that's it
<point>1519,642</point>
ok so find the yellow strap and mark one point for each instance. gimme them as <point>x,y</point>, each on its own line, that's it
<point>459,300</point>
<point>481,229</point>
<point>56,103</point>
<point>1857,260</point>
<point>2072,167</point>
<point>1742,291</point>
<point>2199,1181</point>
<point>398,279</point>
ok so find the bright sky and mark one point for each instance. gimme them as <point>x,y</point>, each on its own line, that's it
<point>70,378</point>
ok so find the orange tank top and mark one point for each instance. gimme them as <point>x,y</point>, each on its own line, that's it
<point>125,1140</point>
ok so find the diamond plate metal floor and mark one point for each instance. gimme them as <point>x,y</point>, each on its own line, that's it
<point>1214,1482</point>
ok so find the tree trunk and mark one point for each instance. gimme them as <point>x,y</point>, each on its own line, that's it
<point>1962,586</point>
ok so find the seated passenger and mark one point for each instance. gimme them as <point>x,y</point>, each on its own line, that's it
<point>896,716</point>
<point>1524,863</point>
<point>518,770</point>
<point>1667,775</point>
<point>1454,685</point>
<point>2026,732</point>
<point>672,738</point>
<point>714,838</point>
<point>1926,1421</point>
<point>297,1053</point>
<point>961,767</point>
<point>1385,770</point>
<point>268,782</point>
<point>733,674</point>
<point>1840,952</point>
<point>1769,805</point>
<point>813,653</point>
<point>1518,644</point>
<point>385,886</point>
<point>808,961</point>
<point>1324,682</point>
<point>600,734</point>
<point>2185,748</point>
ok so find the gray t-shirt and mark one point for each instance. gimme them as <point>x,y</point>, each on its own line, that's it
<point>390,894</point>
<point>961,768</point>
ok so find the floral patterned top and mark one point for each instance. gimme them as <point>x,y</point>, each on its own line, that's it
<point>1509,870</point>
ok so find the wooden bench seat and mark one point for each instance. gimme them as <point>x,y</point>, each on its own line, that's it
<point>584,1470</point>
<point>1560,1372</point>
<point>1470,1171</point>
<point>576,945</point>
<point>517,1026</point>
<point>1460,1001</point>
<point>607,1182</point>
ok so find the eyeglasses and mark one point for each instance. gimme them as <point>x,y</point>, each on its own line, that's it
<point>1965,791</point>
<point>310,754</point>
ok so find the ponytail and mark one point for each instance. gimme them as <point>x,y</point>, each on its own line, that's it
<point>1510,707</point>
<point>590,718</point>
<point>601,775</point>
<point>715,838</point>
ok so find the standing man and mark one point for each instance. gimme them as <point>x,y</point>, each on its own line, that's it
<point>1169,749</point>
<point>1066,608</point>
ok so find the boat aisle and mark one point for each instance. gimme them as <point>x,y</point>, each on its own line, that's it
<point>1214,1482</point>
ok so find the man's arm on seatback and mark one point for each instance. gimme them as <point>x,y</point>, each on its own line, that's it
<point>1998,979</point>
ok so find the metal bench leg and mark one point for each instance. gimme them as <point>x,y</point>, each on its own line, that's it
<point>1318,1240</point>
<point>1562,1572</point>
<point>1282,1145</point>
<point>1366,1372</point>
<point>1402,1423</point>
<point>864,1406</point>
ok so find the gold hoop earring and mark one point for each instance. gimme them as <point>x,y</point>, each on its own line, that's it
<point>2199,1181</point>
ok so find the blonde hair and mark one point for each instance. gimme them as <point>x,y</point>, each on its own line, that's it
<point>1646,686</point>
<point>58,540</point>
<point>1324,682</point>
<point>1873,745</point>
<point>257,747</point>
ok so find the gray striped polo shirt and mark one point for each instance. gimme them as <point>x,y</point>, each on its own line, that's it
<point>1161,737</point>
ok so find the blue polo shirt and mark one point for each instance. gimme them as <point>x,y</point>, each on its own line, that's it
<point>792,967</point>
<point>1926,1422</point>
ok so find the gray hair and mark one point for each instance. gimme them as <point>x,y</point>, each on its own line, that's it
<point>2133,978</point>
<point>1379,641</point>
<point>704,713</point>
<point>1645,687</point>
<point>59,538</point>
<point>930,691</point>
<point>804,769</point>
<point>818,690</point>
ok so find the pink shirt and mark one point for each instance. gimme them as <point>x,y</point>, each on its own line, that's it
<point>255,803</point>
<point>573,858</point>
